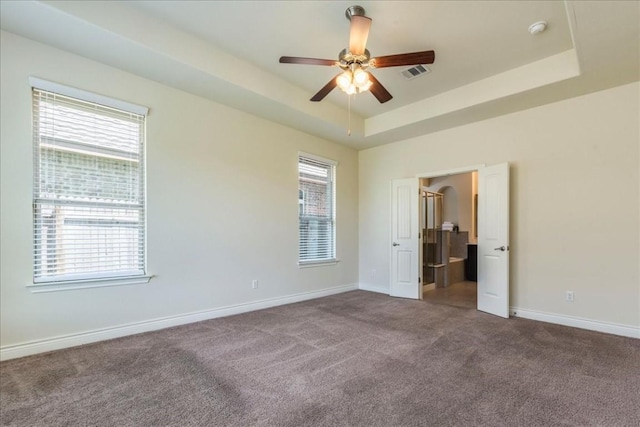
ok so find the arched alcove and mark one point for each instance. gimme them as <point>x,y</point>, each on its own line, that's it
<point>450,204</point>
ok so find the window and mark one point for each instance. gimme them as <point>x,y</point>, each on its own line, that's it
<point>317,209</point>
<point>89,187</point>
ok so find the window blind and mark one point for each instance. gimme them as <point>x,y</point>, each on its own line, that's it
<point>89,195</point>
<point>316,209</point>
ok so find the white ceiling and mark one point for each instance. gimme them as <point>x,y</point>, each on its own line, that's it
<point>486,61</point>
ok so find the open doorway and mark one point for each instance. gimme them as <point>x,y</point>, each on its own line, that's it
<point>449,239</point>
<point>493,237</point>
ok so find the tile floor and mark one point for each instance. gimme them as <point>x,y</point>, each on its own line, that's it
<point>461,294</point>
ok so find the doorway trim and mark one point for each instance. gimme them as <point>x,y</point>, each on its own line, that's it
<point>448,172</point>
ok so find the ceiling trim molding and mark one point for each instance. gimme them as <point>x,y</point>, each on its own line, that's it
<point>534,75</point>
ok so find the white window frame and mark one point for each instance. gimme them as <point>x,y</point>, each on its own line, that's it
<point>333,165</point>
<point>90,280</point>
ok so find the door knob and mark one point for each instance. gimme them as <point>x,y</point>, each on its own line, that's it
<point>396,244</point>
<point>501,248</point>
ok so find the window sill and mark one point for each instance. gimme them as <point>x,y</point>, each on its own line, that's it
<point>309,264</point>
<point>87,283</point>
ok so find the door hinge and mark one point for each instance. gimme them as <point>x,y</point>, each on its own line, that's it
<point>419,280</point>
<point>419,235</point>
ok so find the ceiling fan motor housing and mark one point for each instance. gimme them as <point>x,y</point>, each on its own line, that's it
<point>346,59</point>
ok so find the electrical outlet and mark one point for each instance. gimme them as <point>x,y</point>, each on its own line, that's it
<point>254,284</point>
<point>569,296</point>
<point>373,274</point>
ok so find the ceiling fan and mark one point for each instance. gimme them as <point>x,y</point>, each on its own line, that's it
<point>356,59</point>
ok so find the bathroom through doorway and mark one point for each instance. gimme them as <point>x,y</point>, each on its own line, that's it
<point>448,231</point>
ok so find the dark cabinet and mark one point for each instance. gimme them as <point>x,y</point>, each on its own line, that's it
<point>471,263</point>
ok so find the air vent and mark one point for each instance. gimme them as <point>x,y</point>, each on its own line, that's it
<point>413,72</point>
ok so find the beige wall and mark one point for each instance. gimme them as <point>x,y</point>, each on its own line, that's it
<point>222,205</point>
<point>574,200</point>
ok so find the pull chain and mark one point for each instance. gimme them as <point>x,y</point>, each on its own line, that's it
<point>349,108</point>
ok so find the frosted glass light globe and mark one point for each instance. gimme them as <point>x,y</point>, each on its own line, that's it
<point>344,80</point>
<point>360,78</point>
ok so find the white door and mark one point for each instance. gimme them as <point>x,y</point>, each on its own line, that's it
<point>493,240</point>
<point>405,242</point>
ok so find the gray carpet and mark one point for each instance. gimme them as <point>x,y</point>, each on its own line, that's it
<point>359,359</point>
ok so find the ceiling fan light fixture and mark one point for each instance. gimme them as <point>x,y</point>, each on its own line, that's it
<point>354,81</point>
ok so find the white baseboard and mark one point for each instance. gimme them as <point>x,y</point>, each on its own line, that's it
<point>72,340</point>
<point>373,288</point>
<point>577,322</point>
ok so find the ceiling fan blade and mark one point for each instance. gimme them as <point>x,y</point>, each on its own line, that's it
<point>378,90</point>
<point>359,33</point>
<point>325,90</point>
<point>306,61</point>
<point>413,58</point>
